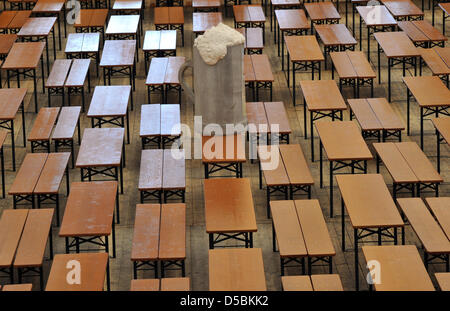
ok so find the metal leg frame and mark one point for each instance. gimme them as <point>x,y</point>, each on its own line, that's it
<point>211,168</point>
<point>246,237</point>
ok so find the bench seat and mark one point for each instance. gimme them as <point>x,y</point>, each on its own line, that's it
<point>42,129</point>
<point>160,124</point>
<point>254,43</point>
<point>165,284</point>
<point>159,236</point>
<point>68,121</point>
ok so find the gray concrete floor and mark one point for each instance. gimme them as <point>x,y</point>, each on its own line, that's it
<point>196,237</point>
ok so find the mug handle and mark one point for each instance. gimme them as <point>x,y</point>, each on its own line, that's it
<point>189,92</point>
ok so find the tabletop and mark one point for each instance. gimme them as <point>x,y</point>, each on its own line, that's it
<point>246,13</point>
<point>429,91</point>
<point>342,140</point>
<point>368,201</point>
<point>421,31</point>
<point>203,21</point>
<point>92,269</point>
<point>292,19</point>
<point>24,55</point>
<point>322,11</point>
<point>10,101</point>
<point>303,48</point>
<point>229,205</point>
<point>160,40</point>
<point>122,24</point>
<point>89,209</point>
<point>28,174</point>
<point>377,15</point>
<point>37,27</point>
<point>109,101</point>
<point>375,114</point>
<point>101,147</point>
<point>439,207</point>
<point>396,44</point>
<point>352,64</point>
<point>401,267</point>
<point>435,61</point>
<point>442,124</point>
<point>6,42</point>
<point>322,95</point>
<point>127,5</point>
<point>214,148</point>
<point>402,8</point>
<point>48,6</point>
<point>118,53</point>
<point>12,222</point>
<point>237,269</point>
<point>443,278</point>
<point>335,34</point>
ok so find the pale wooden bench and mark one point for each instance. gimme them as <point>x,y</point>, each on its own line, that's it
<point>253,40</point>
<point>301,232</point>
<point>163,77</point>
<point>159,236</point>
<point>68,120</point>
<point>408,166</point>
<point>160,124</point>
<point>77,78</point>
<point>376,118</point>
<point>436,244</point>
<point>161,176</point>
<point>159,43</point>
<point>291,175</point>
<point>165,284</point>
<point>316,282</point>
<point>40,134</point>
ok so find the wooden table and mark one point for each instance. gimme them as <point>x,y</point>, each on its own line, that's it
<point>206,5</point>
<point>371,210</point>
<point>439,208</point>
<point>403,9</point>
<point>399,50</point>
<point>203,21</point>
<point>229,211</point>
<point>39,28</point>
<point>23,59</point>
<point>290,23</point>
<point>93,268</point>
<point>109,105</point>
<point>83,45</point>
<point>249,15</point>
<point>12,21</point>
<point>223,153</point>
<point>236,270</point>
<point>322,13</point>
<point>432,96</point>
<point>52,8</point>
<point>345,148</point>
<point>383,21</point>
<point>422,33</point>
<point>317,282</point>
<point>335,38</point>
<point>323,99</point>
<point>92,20</point>
<point>89,216</point>
<point>438,60</point>
<point>170,18</point>
<point>304,53</point>
<point>11,100</point>
<point>258,74</point>
<point>443,279</point>
<point>353,69</point>
<point>442,126</point>
<point>118,58</point>
<point>101,153</point>
<point>124,27</point>
<point>407,274</point>
<point>130,7</point>
<point>6,43</point>
<point>280,5</point>
<point>445,7</point>
<point>159,43</point>
<point>253,40</point>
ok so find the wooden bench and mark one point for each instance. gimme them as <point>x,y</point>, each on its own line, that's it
<point>316,282</point>
<point>13,20</point>
<point>439,208</point>
<point>159,236</point>
<point>436,244</point>
<point>83,45</point>
<point>443,280</point>
<point>170,18</point>
<point>291,174</point>
<point>160,124</point>
<point>92,20</point>
<point>422,33</point>
<point>6,43</point>
<point>70,74</point>
<point>353,69</point>
<point>435,59</point>
<point>408,166</point>
<point>376,118</point>
<point>163,77</point>
<point>258,74</point>
<point>301,232</point>
<point>162,175</point>
<point>17,287</point>
<point>40,176</point>
<point>159,43</point>
<point>254,43</point>
<point>165,284</point>
<point>24,241</point>
<point>68,120</point>
<point>42,129</point>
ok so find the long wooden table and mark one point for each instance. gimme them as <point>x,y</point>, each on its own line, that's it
<point>432,96</point>
<point>345,148</point>
<point>438,60</point>
<point>422,33</point>
<point>371,209</point>
<point>229,211</point>
<point>118,58</point>
<point>289,23</point>
<point>442,126</point>
<point>236,270</point>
